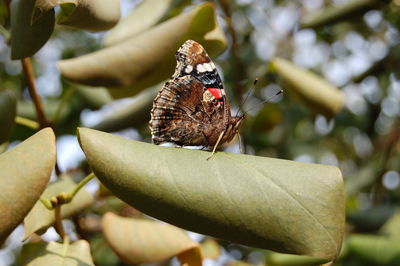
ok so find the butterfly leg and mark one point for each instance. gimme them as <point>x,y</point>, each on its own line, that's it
<point>216,144</point>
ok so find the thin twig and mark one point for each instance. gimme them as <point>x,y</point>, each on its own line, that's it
<point>81,184</point>
<point>30,80</point>
<point>58,223</point>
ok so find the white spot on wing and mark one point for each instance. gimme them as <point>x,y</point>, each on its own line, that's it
<point>200,68</point>
<point>188,69</point>
<point>208,67</point>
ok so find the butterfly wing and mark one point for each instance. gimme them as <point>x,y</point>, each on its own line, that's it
<point>192,59</point>
<point>192,108</point>
<point>183,114</point>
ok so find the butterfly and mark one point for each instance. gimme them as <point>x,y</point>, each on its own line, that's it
<point>192,108</point>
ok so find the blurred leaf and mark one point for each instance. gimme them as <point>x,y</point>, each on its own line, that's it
<point>103,255</point>
<point>40,218</point>
<point>314,91</point>
<point>44,6</point>
<point>147,14</point>
<point>134,114</point>
<point>278,259</point>
<point>53,253</point>
<point>210,249</point>
<point>266,119</point>
<point>8,109</point>
<point>147,58</point>
<point>363,178</point>
<point>27,110</point>
<point>377,250</point>
<point>25,172</point>
<point>392,226</point>
<point>333,14</point>
<point>28,38</point>
<point>94,97</point>
<point>370,219</point>
<point>138,241</point>
<point>269,203</point>
<point>92,15</point>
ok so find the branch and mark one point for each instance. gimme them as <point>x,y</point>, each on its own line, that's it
<point>58,222</point>
<point>30,79</point>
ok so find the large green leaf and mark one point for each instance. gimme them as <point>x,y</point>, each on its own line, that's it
<point>24,173</point>
<point>147,14</point>
<point>282,205</point>
<point>28,36</point>
<point>53,253</point>
<point>8,109</point>
<point>134,114</point>
<point>138,241</point>
<point>147,58</point>
<point>314,91</point>
<point>40,218</point>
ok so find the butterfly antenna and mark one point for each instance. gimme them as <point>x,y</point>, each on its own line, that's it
<point>267,100</point>
<point>248,94</point>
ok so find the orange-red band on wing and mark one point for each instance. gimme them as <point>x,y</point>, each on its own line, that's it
<point>215,92</point>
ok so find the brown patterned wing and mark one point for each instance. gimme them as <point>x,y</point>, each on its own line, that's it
<point>185,113</point>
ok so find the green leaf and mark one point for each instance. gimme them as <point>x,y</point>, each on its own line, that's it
<point>377,250</point>
<point>139,241</point>
<point>8,109</point>
<point>147,14</point>
<point>134,114</point>
<point>25,171</point>
<point>311,89</point>
<point>28,37</point>
<point>282,205</point>
<point>53,253</point>
<point>92,15</point>
<point>147,58</point>
<point>40,218</point>
<point>334,14</point>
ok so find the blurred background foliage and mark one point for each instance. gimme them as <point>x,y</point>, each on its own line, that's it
<point>353,45</point>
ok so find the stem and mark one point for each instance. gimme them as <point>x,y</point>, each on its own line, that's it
<point>58,224</point>
<point>46,203</point>
<point>64,198</point>
<point>28,72</point>
<point>83,182</point>
<point>27,122</point>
